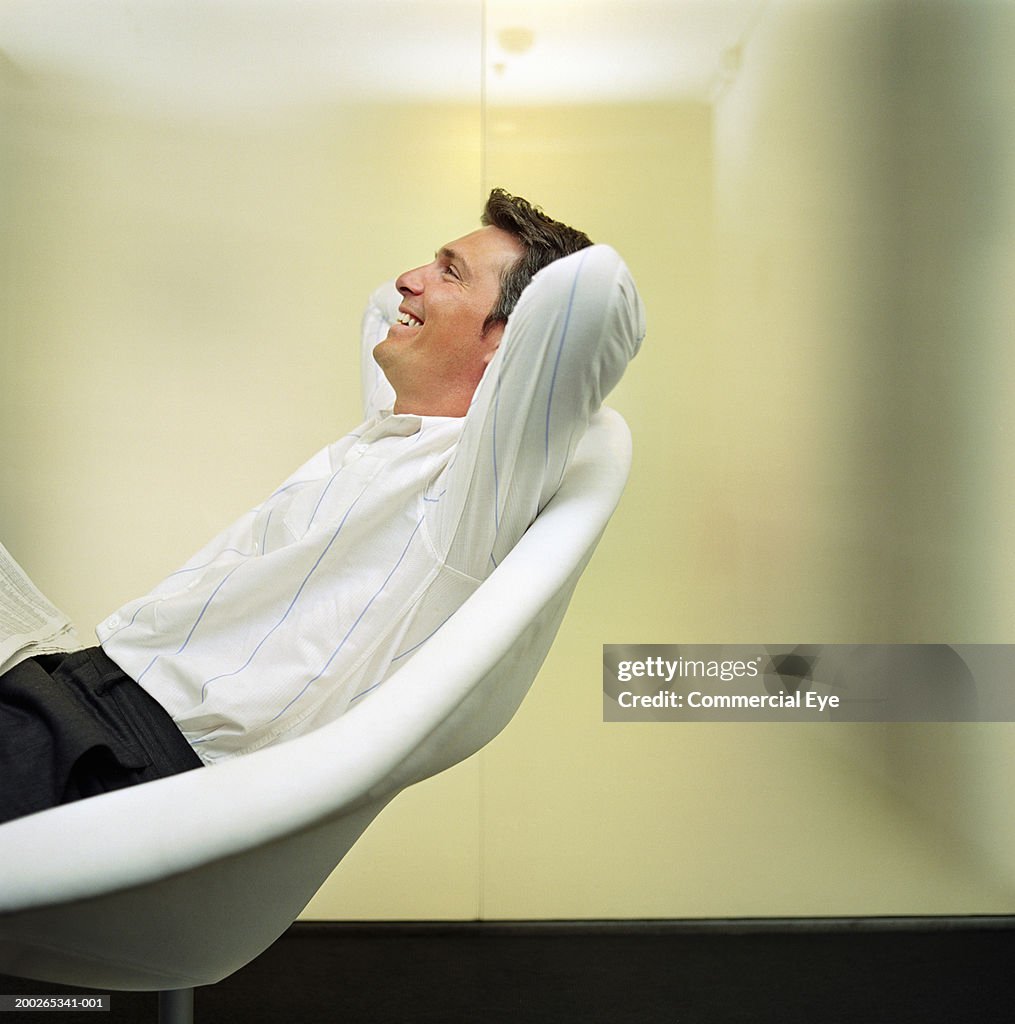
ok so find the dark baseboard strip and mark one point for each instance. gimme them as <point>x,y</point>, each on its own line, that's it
<point>882,970</point>
<point>916,924</point>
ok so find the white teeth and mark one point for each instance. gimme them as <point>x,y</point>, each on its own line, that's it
<point>409,320</point>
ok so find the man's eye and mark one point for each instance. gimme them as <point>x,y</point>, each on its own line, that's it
<point>451,270</point>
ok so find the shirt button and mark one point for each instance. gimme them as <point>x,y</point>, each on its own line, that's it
<point>113,621</point>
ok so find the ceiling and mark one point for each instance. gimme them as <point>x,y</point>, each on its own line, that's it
<point>229,56</point>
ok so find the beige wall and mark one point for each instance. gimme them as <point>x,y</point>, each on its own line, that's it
<point>816,458</point>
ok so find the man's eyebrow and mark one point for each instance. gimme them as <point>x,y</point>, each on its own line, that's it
<point>454,256</point>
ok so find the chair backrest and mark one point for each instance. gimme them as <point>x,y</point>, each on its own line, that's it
<point>180,882</point>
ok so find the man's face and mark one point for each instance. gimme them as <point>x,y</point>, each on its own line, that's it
<point>435,356</point>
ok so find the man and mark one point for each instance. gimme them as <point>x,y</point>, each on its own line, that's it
<point>315,596</point>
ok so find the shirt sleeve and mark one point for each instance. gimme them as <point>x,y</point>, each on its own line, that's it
<point>567,343</point>
<point>376,392</point>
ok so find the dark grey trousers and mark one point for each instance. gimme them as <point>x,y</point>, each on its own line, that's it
<point>74,726</point>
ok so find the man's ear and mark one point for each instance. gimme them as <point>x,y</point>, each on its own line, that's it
<point>492,339</point>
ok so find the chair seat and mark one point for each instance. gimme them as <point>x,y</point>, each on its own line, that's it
<point>180,882</point>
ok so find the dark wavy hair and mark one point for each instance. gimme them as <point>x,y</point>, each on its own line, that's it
<point>543,239</point>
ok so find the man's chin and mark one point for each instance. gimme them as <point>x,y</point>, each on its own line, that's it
<point>386,351</point>
<point>380,349</point>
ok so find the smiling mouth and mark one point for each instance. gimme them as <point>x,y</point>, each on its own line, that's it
<point>408,320</point>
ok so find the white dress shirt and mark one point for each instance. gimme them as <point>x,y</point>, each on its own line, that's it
<point>315,596</point>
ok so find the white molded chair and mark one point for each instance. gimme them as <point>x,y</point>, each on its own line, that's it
<point>180,882</point>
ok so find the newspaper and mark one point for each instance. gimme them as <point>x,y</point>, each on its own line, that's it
<point>29,623</point>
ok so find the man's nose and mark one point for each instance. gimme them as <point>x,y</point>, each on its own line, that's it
<point>411,282</point>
